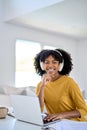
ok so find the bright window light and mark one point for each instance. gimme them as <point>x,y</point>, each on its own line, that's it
<point>25,73</point>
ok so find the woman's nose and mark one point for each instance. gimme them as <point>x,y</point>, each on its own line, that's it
<point>50,65</point>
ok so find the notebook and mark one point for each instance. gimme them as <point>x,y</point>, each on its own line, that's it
<point>27,109</point>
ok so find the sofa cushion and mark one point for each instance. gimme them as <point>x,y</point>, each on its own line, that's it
<point>28,91</point>
<point>5,89</point>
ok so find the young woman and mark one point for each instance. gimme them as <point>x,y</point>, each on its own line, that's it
<point>59,93</point>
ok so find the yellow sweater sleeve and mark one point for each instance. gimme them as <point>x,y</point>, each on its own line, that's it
<point>38,88</point>
<point>78,100</point>
<point>37,91</point>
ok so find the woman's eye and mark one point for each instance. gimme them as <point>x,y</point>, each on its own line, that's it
<point>46,62</point>
<point>55,62</point>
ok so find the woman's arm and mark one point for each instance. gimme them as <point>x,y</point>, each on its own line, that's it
<point>63,115</point>
<point>45,79</point>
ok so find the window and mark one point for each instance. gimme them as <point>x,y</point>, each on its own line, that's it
<point>25,53</point>
<point>25,74</point>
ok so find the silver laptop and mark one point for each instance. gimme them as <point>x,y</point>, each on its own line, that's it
<point>27,109</point>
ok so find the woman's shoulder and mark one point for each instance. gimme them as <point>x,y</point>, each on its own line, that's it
<point>71,83</point>
<point>70,80</point>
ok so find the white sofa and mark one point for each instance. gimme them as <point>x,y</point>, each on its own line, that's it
<point>6,90</point>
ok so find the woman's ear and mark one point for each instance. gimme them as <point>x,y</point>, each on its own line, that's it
<point>41,65</point>
<point>61,66</point>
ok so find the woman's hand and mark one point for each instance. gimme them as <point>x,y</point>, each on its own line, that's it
<point>52,117</point>
<point>46,78</point>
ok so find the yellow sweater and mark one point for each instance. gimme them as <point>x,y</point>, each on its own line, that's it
<point>64,95</point>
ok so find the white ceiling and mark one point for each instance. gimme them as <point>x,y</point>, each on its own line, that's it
<point>68,18</point>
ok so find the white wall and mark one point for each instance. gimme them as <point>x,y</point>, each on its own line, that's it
<point>82,64</point>
<point>1,8</point>
<point>9,33</point>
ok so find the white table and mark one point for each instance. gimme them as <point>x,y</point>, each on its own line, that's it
<point>7,123</point>
<point>10,123</point>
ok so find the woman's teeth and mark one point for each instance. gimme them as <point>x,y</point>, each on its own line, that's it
<point>51,70</point>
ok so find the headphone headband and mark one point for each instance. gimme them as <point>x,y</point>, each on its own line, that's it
<point>58,52</point>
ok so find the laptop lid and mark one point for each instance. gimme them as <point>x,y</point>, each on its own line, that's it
<point>27,109</point>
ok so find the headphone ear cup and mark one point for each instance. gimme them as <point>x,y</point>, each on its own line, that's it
<point>61,66</point>
<point>41,65</point>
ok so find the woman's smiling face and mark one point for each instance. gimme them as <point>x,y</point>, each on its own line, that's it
<point>51,66</point>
